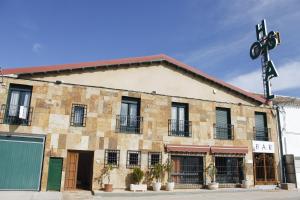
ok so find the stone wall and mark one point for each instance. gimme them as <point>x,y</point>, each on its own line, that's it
<point>51,116</point>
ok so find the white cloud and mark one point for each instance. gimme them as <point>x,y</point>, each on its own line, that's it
<point>288,78</point>
<point>36,47</point>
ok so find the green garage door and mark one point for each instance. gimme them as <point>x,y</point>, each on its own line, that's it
<point>20,162</point>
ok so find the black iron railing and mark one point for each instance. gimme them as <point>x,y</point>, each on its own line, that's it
<point>261,134</point>
<point>224,131</point>
<point>129,124</point>
<point>16,115</point>
<point>180,128</point>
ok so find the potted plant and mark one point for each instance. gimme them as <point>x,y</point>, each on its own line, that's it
<point>137,176</point>
<point>211,171</point>
<point>106,172</point>
<point>157,173</point>
<point>168,166</point>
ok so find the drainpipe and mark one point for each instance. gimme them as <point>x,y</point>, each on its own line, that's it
<point>283,170</point>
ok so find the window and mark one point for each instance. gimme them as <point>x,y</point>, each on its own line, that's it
<point>261,131</point>
<point>179,124</point>
<point>112,157</point>
<point>153,159</point>
<point>129,119</point>
<point>223,127</point>
<point>133,159</point>
<point>17,110</point>
<point>78,115</point>
<point>229,169</point>
<point>187,169</point>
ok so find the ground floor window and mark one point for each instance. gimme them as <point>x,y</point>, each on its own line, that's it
<point>229,169</point>
<point>264,168</point>
<point>187,169</point>
<point>133,159</point>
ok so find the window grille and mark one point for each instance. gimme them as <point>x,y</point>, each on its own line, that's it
<point>112,157</point>
<point>133,159</point>
<point>78,115</point>
<point>153,159</point>
<point>229,169</point>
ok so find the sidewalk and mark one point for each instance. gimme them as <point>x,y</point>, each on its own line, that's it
<point>126,193</point>
<point>30,195</point>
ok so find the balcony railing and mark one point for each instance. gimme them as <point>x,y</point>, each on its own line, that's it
<point>261,134</point>
<point>224,131</point>
<point>16,115</point>
<point>180,128</point>
<point>129,124</point>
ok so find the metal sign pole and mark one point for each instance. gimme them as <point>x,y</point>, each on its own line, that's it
<point>261,47</point>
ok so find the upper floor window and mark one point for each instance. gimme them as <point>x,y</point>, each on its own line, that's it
<point>223,127</point>
<point>112,157</point>
<point>78,115</point>
<point>153,159</point>
<point>17,110</point>
<point>129,119</point>
<point>261,131</point>
<point>133,159</point>
<point>179,124</point>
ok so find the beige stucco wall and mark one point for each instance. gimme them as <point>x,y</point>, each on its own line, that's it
<point>161,78</point>
<point>51,113</point>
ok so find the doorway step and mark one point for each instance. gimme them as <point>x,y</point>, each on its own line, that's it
<point>266,187</point>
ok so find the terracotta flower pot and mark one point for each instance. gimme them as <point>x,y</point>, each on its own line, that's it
<point>108,187</point>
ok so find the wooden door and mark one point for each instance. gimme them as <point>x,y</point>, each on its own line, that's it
<point>264,166</point>
<point>71,171</point>
<point>54,174</point>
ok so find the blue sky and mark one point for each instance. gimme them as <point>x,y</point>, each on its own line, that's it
<point>211,35</point>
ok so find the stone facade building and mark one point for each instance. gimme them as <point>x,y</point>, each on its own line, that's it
<point>60,125</point>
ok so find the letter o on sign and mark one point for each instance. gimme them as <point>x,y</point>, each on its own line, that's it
<point>255,50</point>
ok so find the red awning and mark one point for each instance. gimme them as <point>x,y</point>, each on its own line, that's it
<point>229,149</point>
<point>187,148</point>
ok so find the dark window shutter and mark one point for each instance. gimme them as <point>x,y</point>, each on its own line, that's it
<point>222,116</point>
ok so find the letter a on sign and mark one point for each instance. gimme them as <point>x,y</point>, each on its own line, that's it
<point>271,71</point>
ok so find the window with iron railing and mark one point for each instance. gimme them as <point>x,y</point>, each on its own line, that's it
<point>133,159</point>
<point>261,134</point>
<point>129,121</point>
<point>153,159</point>
<point>223,129</point>
<point>78,115</point>
<point>17,111</point>
<point>112,157</point>
<point>179,125</point>
<point>261,131</point>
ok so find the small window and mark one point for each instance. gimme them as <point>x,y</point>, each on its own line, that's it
<point>112,157</point>
<point>154,158</point>
<point>133,159</point>
<point>78,115</point>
